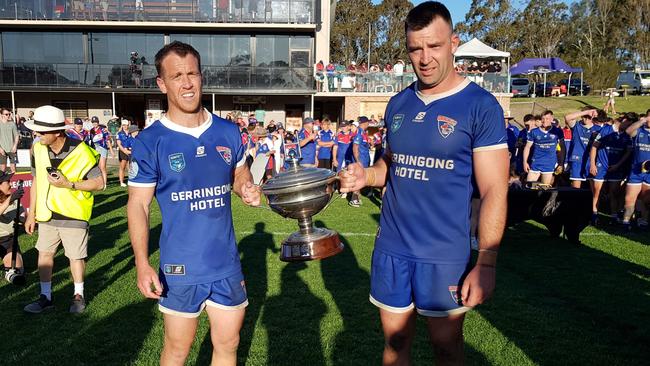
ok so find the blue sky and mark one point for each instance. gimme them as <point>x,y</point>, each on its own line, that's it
<point>457,8</point>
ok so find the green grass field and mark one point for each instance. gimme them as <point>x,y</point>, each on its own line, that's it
<point>556,303</point>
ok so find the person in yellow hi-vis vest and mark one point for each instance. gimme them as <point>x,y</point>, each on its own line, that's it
<point>66,173</point>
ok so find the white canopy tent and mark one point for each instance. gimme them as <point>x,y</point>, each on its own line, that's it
<point>478,49</point>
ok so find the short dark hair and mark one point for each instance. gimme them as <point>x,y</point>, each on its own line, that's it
<point>4,109</point>
<point>528,117</point>
<point>647,113</point>
<point>547,112</point>
<point>179,48</point>
<point>422,15</point>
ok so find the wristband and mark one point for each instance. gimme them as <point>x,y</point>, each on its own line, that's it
<point>489,251</point>
<point>370,176</point>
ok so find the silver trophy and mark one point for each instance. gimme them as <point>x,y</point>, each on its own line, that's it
<point>300,193</point>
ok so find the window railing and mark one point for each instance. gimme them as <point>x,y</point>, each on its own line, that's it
<point>215,11</point>
<point>144,77</point>
<point>391,82</point>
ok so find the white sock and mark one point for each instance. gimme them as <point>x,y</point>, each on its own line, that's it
<point>79,288</point>
<point>46,289</point>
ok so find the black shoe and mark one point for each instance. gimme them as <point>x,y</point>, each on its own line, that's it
<point>40,305</point>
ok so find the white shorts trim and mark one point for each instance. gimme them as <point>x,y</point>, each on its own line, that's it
<point>443,314</point>
<point>213,304</point>
<point>635,184</point>
<point>144,185</point>
<point>391,308</point>
<point>579,179</point>
<point>539,172</point>
<point>645,184</point>
<point>181,314</point>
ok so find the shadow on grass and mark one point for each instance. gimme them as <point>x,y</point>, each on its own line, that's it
<point>292,321</point>
<point>349,285</point>
<point>253,250</point>
<point>109,202</point>
<point>564,304</point>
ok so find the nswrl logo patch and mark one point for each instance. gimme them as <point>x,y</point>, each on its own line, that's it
<point>174,269</point>
<point>396,123</point>
<point>177,162</point>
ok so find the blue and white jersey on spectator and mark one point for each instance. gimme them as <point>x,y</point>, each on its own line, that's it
<point>125,139</point>
<point>343,141</point>
<point>641,143</point>
<point>307,152</point>
<point>361,140</point>
<point>545,145</point>
<point>323,151</point>
<point>191,170</point>
<point>432,138</point>
<point>581,138</point>
<point>613,144</point>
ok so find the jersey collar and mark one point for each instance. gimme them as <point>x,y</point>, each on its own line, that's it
<point>195,132</point>
<point>430,98</point>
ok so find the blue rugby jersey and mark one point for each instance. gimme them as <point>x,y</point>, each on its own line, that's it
<point>581,141</point>
<point>192,170</point>
<point>545,144</point>
<point>361,139</point>
<point>343,141</point>
<point>323,151</point>
<point>613,143</point>
<point>426,208</point>
<point>641,143</point>
<point>307,152</point>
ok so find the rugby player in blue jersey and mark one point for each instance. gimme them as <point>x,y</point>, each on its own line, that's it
<point>607,161</point>
<point>340,150</point>
<point>361,153</point>
<point>582,136</point>
<point>325,142</point>
<point>442,131</point>
<point>190,160</point>
<point>544,142</point>
<point>307,139</point>
<point>638,183</point>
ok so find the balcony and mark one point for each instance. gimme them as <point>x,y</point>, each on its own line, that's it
<point>205,11</point>
<point>389,82</point>
<point>276,80</point>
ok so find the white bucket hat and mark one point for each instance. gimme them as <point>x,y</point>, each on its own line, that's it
<point>47,118</point>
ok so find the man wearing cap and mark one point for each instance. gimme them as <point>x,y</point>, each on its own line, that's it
<point>307,140</point>
<point>101,139</point>
<point>124,142</point>
<point>65,174</point>
<point>360,151</point>
<point>9,138</point>
<point>191,160</point>
<point>78,132</point>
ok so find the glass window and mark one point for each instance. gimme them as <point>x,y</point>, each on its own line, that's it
<point>116,48</point>
<point>240,51</point>
<point>42,47</point>
<point>301,42</point>
<point>210,47</point>
<point>272,51</point>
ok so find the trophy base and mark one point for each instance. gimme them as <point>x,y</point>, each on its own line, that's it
<point>321,243</point>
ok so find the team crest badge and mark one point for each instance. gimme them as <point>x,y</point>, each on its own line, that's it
<point>177,162</point>
<point>455,294</point>
<point>397,122</point>
<point>225,154</point>
<point>133,169</point>
<point>446,126</point>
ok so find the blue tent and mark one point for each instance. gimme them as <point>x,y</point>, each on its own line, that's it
<point>543,66</point>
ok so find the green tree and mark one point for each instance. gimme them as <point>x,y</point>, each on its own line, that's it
<point>542,26</point>
<point>492,22</point>
<point>349,36</point>
<point>390,40</point>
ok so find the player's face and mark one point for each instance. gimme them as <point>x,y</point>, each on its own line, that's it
<point>5,188</point>
<point>547,120</point>
<point>431,51</point>
<point>181,80</point>
<point>78,127</point>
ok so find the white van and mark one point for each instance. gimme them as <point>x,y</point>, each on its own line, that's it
<point>638,82</point>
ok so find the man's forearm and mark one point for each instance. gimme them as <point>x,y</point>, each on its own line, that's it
<point>376,174</point>
<point>138,220</point>
<point>89,185</point>
<point>242,176</point>
<point>492,220</point>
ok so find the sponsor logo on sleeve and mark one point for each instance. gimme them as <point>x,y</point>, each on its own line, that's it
<point>133,169</point>
<point>177,162</point>
<point>446,126</point>
<point>225,154</point>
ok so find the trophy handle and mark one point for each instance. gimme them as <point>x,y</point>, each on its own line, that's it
<point>330,186</point>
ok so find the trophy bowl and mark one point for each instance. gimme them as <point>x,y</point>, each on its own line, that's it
<point>300,193</point>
